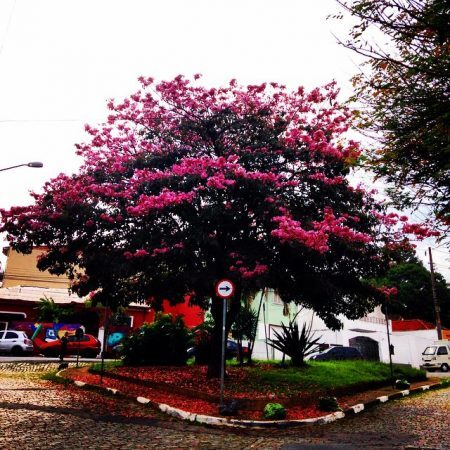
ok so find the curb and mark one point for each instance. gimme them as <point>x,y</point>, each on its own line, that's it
<point>240,423</point>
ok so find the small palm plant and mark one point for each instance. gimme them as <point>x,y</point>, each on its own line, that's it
<point>295,343</point>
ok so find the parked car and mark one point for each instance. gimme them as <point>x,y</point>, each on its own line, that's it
<point>437,356</point>
<point>88,346</point>
<point>338,353</point>
<point>15,342</point>
<point>230,352</point>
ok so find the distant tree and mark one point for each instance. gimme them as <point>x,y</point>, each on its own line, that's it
<point>414,299</point>
<point>48,310</point>
<point>186,185</point>
<point>405,97</point>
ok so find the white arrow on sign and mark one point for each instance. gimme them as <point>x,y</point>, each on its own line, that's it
<point>224,289</point>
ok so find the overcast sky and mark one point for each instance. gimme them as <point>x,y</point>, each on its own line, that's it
<point>60,60</point>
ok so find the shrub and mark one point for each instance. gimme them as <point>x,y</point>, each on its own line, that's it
<point>163,342</point>
<point>328,404</point>
<point>274,411</point>
<point>202,340</point>
<point>402,384</point>
<point>295,343</point>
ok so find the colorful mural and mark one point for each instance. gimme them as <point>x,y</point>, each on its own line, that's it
<point>116,334</point>
<point>45,331</point>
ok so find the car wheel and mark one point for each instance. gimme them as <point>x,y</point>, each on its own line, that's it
<point>17,351</point>
<point>444,368</point>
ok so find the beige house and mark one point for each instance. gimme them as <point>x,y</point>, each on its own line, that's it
<point>21,270</point>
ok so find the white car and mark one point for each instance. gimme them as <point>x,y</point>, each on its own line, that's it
<point>15,342</point>
<point>437,356</point>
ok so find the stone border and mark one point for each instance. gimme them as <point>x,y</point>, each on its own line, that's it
<point>240,423</point>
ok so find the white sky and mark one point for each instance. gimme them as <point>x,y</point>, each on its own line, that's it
<point>61,60</point>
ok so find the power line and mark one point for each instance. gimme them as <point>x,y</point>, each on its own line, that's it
<point>7,27</point>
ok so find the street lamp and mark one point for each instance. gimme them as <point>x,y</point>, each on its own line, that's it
<point>30,164</point>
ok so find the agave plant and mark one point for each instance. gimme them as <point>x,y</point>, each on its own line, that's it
<point>295,343</point>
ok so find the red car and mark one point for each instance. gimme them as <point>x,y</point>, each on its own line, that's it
<point>88,346</point>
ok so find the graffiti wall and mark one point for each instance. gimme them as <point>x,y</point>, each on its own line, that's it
<point>45,331</point>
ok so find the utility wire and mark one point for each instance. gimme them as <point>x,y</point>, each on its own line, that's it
<point>7,27</point>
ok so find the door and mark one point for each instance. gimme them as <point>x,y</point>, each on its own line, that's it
<point>10,340</point>
<point>367,347</point>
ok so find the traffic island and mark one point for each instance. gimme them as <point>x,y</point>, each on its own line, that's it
<point>244,423</point>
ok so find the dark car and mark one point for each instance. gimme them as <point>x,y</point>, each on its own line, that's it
<point>338,353</point>
<point>230,353</point>
<point>88,346</point>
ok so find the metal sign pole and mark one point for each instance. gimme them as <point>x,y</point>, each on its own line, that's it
<point>224,290</point>
<point>222,369</point>
<point>389,345</point>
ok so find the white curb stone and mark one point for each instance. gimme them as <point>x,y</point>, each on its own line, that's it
<point>328,418</point>
<point>143,400</point>
<point>80,383</point>
<point>209,420</point>
<point>180,414</point>
<point>383,399</point>
<point>358,408</point>
<point>405,393</point>
<point>426,387</point>
<point>112,390</point>
<point>163,407</point>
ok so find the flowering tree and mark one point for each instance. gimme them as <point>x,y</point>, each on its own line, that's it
<point>186,185</point>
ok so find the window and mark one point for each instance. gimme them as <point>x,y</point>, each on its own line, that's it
<point>11,335</point>
<point>73,338</point>
<point>429,351</point>
<point>442,351</point>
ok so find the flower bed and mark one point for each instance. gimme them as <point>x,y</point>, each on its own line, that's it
<point>188,388</point>
<point>184,402</point>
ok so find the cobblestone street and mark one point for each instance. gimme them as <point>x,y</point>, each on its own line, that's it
<point>41,415</point>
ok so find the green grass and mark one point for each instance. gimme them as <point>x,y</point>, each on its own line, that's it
<point>326,375</point>
<point>51,376</point>
<point>108,365</point>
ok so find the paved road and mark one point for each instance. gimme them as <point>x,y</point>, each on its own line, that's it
<point>41,415</point>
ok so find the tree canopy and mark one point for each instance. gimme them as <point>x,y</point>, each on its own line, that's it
<point>185,185</point>
<point>414,299</point>
<point>405,97</point>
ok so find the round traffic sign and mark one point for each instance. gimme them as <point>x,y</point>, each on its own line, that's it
<point>224,289</point>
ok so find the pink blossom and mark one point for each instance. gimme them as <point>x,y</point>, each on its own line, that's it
<point>160,251</point>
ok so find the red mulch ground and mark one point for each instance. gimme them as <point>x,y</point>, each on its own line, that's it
<point>194,378</point>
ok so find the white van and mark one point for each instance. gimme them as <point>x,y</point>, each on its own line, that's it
<point>437,356</point>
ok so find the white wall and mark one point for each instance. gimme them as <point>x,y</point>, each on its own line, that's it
<point>408,346</point>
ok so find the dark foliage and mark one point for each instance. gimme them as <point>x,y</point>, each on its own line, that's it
<point>163,342</point>
<point>406,97</point>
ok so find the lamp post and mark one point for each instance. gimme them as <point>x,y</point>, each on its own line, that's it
<point>36,164</point>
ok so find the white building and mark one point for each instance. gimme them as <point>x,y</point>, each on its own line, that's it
<point>368,334</point>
